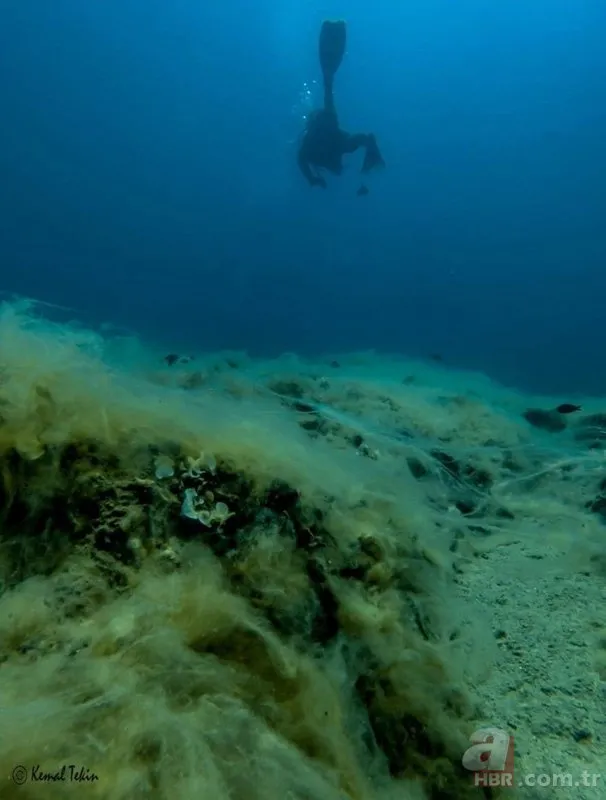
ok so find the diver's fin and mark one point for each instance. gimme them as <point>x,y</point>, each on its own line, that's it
<point>333,40</point>
<point>373,158</point>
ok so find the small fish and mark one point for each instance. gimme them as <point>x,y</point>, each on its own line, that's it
<point>568,408</point>
<point>362,191</point>
<point>173,358</point>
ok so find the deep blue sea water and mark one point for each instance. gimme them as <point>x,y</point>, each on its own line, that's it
<point>148,178</point>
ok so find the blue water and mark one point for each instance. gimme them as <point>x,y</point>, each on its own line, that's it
<point>148,177</point>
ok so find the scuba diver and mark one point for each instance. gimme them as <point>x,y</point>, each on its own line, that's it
<point>324,143</point>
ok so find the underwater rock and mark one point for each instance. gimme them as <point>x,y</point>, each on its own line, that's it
<point>591,430</point>
<point>469,473</point>
<point>550,421</point>
<point>293,389</point>
<point>227,620</point>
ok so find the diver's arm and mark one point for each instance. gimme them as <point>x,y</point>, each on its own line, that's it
<point>305,168</point>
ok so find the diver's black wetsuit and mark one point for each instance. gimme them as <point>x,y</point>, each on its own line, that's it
<point>324,143</point>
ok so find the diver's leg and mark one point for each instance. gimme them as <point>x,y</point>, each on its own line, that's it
<point>372,158</point>
<point>352,142</point>
<point>329,100</point>
<point>331,47</point>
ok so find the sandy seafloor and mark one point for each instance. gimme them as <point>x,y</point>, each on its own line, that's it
<point>408,560</point>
